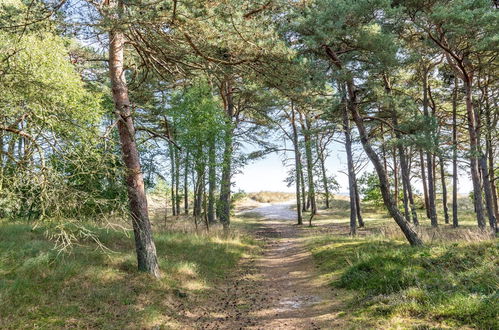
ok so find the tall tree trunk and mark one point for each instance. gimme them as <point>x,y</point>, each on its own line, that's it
<point>144,244</point>
<point>444,189</point>
<point>212,180</point>
<point>490,156</point>
<point>325,180</point>
<point>351,171</point>
<point>383,148</point>
<point>455,220</point>
<point>297,166</point>
<point>225,185</point>
<point>173,177</point>
<point>1,164</point>
<point>488,192</point>
<point>474,155</point>
<point>395,177</point>
<point>425,183</point>
<point>177,182</point>
<point>404,168</point>
<point>358,209</point>
<point>186,184</point>
<point>488,176</point>
<point>303,185</point>
<point>200,181</point>
<point>310,170</point>
<point>429,158</point>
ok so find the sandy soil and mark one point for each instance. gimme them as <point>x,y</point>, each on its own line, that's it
<point>279,290</point>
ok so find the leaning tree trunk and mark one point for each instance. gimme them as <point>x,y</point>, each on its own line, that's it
<point>297,166</point>
<point>455,221</point>
<point>352,103</point>
<point>144,244</point>
<point>411,236</point>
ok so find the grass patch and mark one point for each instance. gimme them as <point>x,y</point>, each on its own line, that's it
<point>92,288</point>
<point>271,196</point>
<point>450,284</point>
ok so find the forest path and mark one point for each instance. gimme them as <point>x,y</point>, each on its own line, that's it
<point>280,289</point>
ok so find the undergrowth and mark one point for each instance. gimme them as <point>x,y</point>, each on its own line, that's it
<point>95,288</point>
<point>451,284</point>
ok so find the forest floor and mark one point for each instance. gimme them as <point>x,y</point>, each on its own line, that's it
<point>320,277</point>
<point>268,273</point>
<point>281,288</point>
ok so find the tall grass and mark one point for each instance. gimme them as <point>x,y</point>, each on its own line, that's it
<point>450,282</point>
<point>94,288</point>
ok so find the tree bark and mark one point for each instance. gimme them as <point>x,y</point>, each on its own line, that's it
<point>351,172</point>
<point>455,220</point>
<point>173,177</point>
<point>490,157</point>
<point>144,244</point>
<point>409,233</point>
<point>395,177</point>
<point>186,184</point>
<point>432,211</point>
<point>425,183</point>
<point>404,168</point>
<point>225,186</point>
<point>488,170</point>
<point>325,180</point>
<point>297,166</point>
<point>474,155</point>
<point>212,180</point>
<point>177,181</point>
<point>310,172</point>
<point>352,103</point>
<point>358,209</point>
<point>200,181</point>
<point>444,190</point>
<point>303,185</point>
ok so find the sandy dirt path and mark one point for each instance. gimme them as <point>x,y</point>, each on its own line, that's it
<point>281,289</point>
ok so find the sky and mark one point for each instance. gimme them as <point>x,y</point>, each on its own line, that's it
<point>269,173</point>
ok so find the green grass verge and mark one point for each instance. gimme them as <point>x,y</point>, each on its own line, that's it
<point>92,288</point>
<point>393,283</point>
